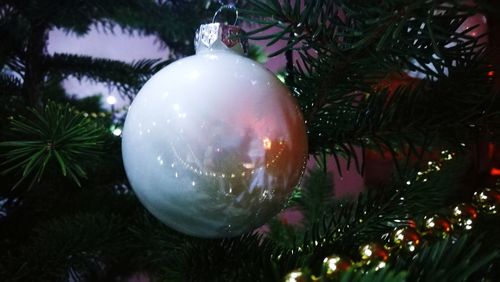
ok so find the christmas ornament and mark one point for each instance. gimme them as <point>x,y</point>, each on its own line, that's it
<point>487,200</point>
<point>295,276</point>
<point>406,238</point>
<point>374,255</point>
<point>464,215</point>
<point>411,223</point>
<point>437,227</point>
<point>333,265</point>
<point>214,143</point>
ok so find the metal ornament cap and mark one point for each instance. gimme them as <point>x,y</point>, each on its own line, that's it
<point>215,36</point>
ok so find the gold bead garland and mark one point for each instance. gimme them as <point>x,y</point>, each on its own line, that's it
<point>407,239</point>
<point>487,200</point>
<point>463,215</point>
<point>333,265</point>
<point>437,226</point>
<point>296,276</point>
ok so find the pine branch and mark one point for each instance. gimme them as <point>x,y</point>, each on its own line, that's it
<point>56,13</point>
<point>10,85</point>
<point>127,78</point>
<point>52,134</point>
<point>318,19</point>
<point>93,241</point>
<point>366,41</point>
<point>171,21</point>
<point>14,30</point>
<point>316,196</point>
<point>449,260</point>
<point>384,275</point>
<point>373,216</point>
<point>244,259</point>
<point>348,224</point>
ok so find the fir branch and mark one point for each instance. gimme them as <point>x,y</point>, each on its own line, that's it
<point>316,196</point>
<point>449,260</point>
<point>127,78</point>
<point>52,134</point>
<point>56,13</point>
<point>384,275</point>
<point>170,256</point>
<point>244,259</point>
<point>171,21</point>
<point>160,18</point>
<point>381,210</point>
<point>83,255</point>
<point>318,19</point>
<point>10,85</point>
<point>367,41</point>
<point>347,224</point>
<point>14,30</point>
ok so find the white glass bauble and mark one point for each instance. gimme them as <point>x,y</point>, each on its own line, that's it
<point>213,144</point>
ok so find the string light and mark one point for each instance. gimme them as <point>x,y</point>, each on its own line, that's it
<point>111,100</point>
<point>266,143</point>
<point>433,166</point>
<point>117,132</point>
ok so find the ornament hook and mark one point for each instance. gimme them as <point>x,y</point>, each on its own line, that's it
<point>230,7</point>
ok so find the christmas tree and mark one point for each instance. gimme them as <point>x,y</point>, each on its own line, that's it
<point>412,84</point>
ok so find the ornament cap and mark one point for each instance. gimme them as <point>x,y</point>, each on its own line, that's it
<point>219,36</point>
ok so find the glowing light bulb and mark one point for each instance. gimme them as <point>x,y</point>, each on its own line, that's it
<point>111,100</point>
<point>117,132</point>
<point>266,142</point>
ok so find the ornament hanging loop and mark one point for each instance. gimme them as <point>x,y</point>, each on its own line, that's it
<point>229,7</point>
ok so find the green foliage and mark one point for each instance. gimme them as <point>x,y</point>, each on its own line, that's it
<point>25,24</point>
<point>171,21</point>
<point>127,78</point>
<point>257,53</point>
<point>78,255</point>
<point>341,226</point>
<point>55,92</point>
<point>374,212</point>
<point>450,260</point>
<point>10,85</point>
<point>54,133</point>
<point>316,197</point>
<point>344,48</point>
<point>385,275</point>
